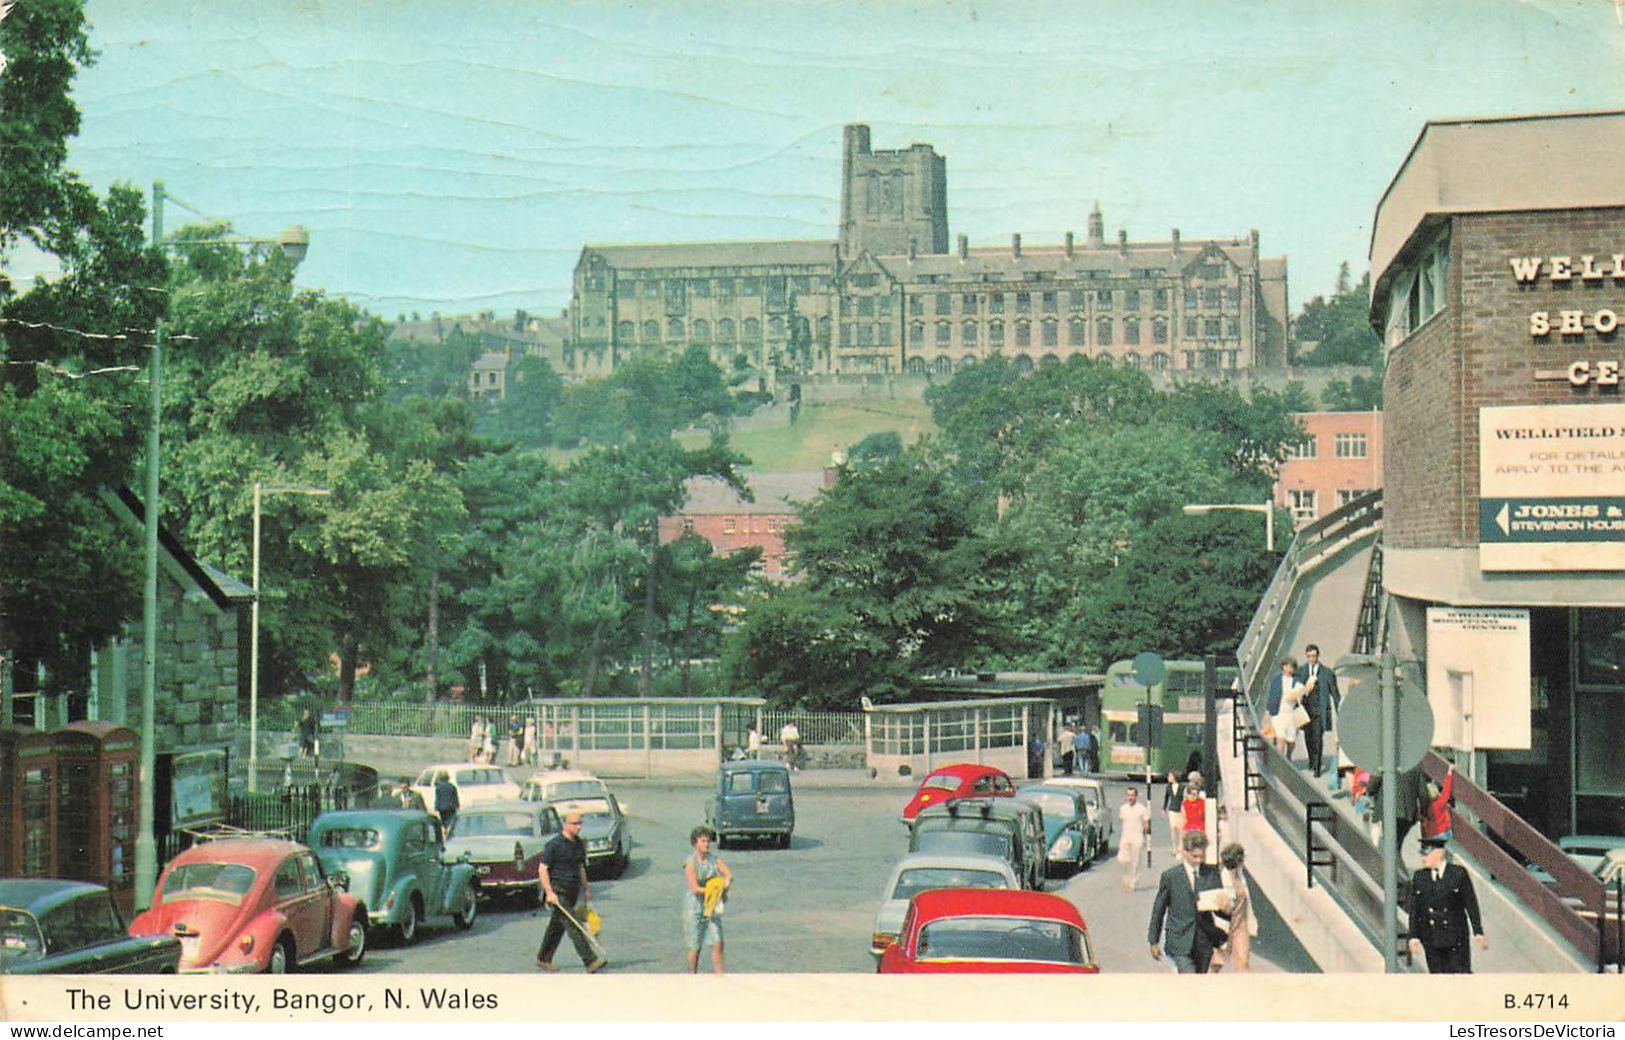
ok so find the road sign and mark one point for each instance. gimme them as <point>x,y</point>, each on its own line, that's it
<point>1147,667</point>
<point>1359,726</point>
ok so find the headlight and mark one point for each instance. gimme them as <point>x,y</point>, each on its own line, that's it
<point>1062,845</point>
<point>598,845</point>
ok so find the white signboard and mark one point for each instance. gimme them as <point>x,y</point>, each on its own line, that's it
<point>1551,493</point>
<point>1478,677</point>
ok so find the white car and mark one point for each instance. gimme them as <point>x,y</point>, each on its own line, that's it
<point>604,826</point>
<point>475,783</point>
<point>920,871</point>
<point>1094,799</point>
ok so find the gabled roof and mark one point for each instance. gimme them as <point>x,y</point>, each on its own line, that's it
<point>716,254</point>
<point>220,587</point>
<point>776,494</point>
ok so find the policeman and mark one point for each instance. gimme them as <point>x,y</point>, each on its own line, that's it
<point>1444,910</point>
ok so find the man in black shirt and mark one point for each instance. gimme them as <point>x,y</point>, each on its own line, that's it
<point>563,873</point>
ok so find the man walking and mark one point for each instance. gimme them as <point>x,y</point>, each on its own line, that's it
<point>1069,748</point>
<point>1444,910</point>
<point>1191,934</point>
<point>1320,699</point>
<point>446,802</point>
<point>563,874</point>
<point>1084,746</point>
<point>1134,824</point>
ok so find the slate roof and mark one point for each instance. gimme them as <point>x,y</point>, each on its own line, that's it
<point>776,494</point>
<point>717,254</point>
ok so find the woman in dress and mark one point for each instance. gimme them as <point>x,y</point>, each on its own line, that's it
<point>1194,806</point>
<point>1238,949</point>
<point>1286,727</point>
<point>708,880</point>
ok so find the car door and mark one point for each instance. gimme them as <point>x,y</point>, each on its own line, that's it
<point>321,898</point>
<point>297,907</point>
<point>422,857</point>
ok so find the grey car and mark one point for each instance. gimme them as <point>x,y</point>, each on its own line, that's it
<point>921,871</point>
<point>604,826</point>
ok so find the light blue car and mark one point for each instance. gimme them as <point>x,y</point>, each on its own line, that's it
<point>1072,838</point>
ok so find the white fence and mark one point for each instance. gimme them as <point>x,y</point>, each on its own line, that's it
<point>608,722</point>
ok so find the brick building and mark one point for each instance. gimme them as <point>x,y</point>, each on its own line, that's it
<point>1339,458</point>
<point>718,515</point>
<point>888,295</point>
<point>1498,265</point>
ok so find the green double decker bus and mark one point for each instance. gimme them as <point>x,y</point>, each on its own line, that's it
<point>1123,747</point>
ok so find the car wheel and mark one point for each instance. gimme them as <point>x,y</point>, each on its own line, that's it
<point>407,928</point>
<point>722,839</point>
<point>281,958</point>
<point>784,841</point>
<point>464,919</point>
<point>618,862</point>
<point>355,946</point>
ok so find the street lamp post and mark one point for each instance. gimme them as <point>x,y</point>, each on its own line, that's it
<point>254,631</point>
<point>1268,509</point>
<point>294,242</point>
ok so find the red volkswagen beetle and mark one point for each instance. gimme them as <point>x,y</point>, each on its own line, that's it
<point>254,905</point>
<point>990,931</point>
<point>965,780</point>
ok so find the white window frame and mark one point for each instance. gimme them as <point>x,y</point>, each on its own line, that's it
<point>1351,446</point>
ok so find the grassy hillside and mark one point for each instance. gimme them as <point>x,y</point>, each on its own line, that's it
<point>821,427</point>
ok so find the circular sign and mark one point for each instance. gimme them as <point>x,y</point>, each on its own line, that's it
<point>1359,727</point>
<point>1148,670</point>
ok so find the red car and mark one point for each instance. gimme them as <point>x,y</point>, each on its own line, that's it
<point>960,781</point>
<point>254,905</point>
<point>990,931</point>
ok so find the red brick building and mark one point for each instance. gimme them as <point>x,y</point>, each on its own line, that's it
<point>1340,458</point>
<point>718,515</point>
<point>1498,286</point>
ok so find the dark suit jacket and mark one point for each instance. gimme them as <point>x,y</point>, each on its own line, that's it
<point>1443,911</point>
<point>1187,930</point>
<point>1324,693</point>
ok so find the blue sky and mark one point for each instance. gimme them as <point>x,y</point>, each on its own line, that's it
<point>455,156</point>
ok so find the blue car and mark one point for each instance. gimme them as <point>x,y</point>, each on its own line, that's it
<point>1072,838</point>
<point>752,800</point>
<point>52,927</point>
<point>393,860</point>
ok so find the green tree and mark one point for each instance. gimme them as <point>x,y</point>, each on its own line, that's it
<point>528,413</point>
<point>875,449</point>
<point>431,367</point>
<point>1339,326</point>
<point>1358,394</point>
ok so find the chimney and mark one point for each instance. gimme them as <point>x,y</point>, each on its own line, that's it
<point>964,247</point>
<point>1097,228</point>
<point>1122,242</point>
<point>1015,247</point>
<point>1176,241</point>
<point>1069,245</point>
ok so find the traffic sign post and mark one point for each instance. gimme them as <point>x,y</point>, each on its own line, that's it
<point>1148,671</point>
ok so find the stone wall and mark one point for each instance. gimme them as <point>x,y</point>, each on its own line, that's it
<point>200,655</point>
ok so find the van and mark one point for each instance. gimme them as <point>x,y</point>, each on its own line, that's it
<point>752,800</point>
<point>989,826</point>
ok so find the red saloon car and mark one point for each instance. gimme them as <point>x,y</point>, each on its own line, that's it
<point>959,781</point>
<point>989,931</point>
<point>254,905</point>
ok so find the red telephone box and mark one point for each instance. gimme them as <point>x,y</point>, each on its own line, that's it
<point>97,763</point>
<point>35,807</point>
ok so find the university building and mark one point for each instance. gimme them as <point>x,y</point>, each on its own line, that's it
<point>890,294</point>
<point>1338,460</point>
<point>1498,267</point>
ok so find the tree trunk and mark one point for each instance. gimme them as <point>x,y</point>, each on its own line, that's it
<point>431,673</point>
<point>688,635</point>
<point>594,652</point>
<point>646,678</point>
<point>348,653</point>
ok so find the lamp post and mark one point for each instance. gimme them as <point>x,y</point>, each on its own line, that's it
<point>294,242</point>
<point>1268,509</point>
<point>254,630</point>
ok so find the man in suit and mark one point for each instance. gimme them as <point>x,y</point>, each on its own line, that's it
<point>1443,910</point>
<point>1191,935</point>
<point>1320,698</point>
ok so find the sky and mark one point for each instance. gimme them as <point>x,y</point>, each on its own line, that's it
<point>455,155</point>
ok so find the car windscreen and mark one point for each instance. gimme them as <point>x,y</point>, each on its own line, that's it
<point>351,838</point>
<point>979,843</point>
<point>476,825</point>
<point>943,781</point>
<point>915,880</point>
<point>586,806</point>
<point>224,882</point>
<point>1051,804</point>
<point>480,777</point>
<point>575,789</point>
<point>1000,938</point>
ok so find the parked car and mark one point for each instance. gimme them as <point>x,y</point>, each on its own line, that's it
<point>502,842</point>
<point>1070,837</point>
<point>604,823</point>
<point>1023,821</point>
<point>753,799</point>
<point>1101,813</point>
<point>990,931</point>
<point>475,783</point>
<point>254,905</point>
<point>1586,850</point>
<point>965,780</point>
<point>921,871</point>
<point>394,861</point>
<point>52,927</point>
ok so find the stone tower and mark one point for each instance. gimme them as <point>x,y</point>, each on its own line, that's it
<point>891,199</point>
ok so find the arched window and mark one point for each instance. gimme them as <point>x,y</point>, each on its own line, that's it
<point>1075,334</point>
<point>651,330</point>
<point>775,327</point>
<point>916,365</point>
<point>967,333</point>
<point>1048,359</point>
<point>1132,360</point>
<point>702,329</point>
<point>1024,364</point>
<point>1103,331</point>
<point>1159,362</point>
<point>1159,329</point>
<point>725,328</point>
<point>1131,330</point>
<point>945,333</point>
<point>967,361</point>
<point>824,324</point>
<point>625,330</point>
<point>753,329</point>
<point>674,328</point>
<point>995,334</point>
<point>943,366</point>
<point>1104,358</point>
